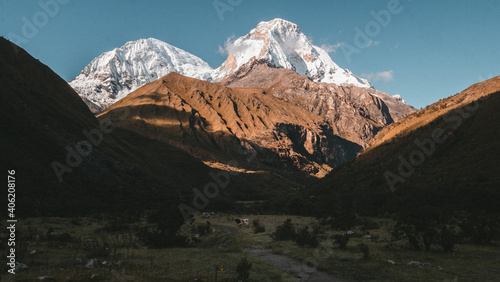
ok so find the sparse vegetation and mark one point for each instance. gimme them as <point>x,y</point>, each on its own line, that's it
<point>243,269</point>
<point>284,232</point>
<point>287,231</point>
<point>365,250</point>
<point>342,240</point>
<point>203,229</point>
<point>97,249</point>
<point>481,227</point>
<point>162,228</point>
<point>257,227</point>
<point>366,223</point>
<point>425,226</point>
<point>122,254</point>
<point>306,238</point>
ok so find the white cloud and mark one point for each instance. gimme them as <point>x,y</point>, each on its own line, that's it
<point>228,46</point>
<point>331,48</point>
<point>385,76</point>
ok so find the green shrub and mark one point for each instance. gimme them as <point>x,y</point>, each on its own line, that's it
<point>481,227</point>
<point>367,224</point>
<point>257,228</point>
<point>342,240</point>
<point>255,222</point>
<point>97,250</point>
<point>304,237</point>
<point>243,269</point>
<point>204,229</point>
<point>163,224</point>
<point>154,237</point>
<point>284,232</point>
<point>365,250</point>
<point>448,239</point>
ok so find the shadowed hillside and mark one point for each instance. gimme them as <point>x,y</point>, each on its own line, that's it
<point>43,120</point>
<point>445,156</point>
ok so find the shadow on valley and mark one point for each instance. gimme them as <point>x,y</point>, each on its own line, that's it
<point>446,192</point>
<point>194,134</point>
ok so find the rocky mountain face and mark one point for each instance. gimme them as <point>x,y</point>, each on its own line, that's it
<point>357,113</point>
<point>219,124</point>
<point>277,95</point>
<point>116,73</point>
<point>282,44</point>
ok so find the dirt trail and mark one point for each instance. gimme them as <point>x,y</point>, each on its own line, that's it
<point>296,268</point>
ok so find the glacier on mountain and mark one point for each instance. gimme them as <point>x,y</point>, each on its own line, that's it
<point>114,74</point>
<point>282,44</point>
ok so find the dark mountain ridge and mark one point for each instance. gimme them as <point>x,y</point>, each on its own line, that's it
<point>68,162</point>
<point>445,155</point>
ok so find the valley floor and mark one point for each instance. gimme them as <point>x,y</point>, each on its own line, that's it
<point>103,249</point>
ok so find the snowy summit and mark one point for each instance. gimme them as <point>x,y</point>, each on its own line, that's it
<point>114,74</point>
<point>282,44</point>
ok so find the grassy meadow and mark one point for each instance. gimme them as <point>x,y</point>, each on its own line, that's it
<point>107,249</point>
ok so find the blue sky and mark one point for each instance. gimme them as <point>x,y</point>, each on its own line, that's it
<point>427,51</point>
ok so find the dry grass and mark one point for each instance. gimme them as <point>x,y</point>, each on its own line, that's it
<point>225,247</point>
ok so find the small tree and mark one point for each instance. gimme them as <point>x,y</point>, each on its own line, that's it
<point>448,239</point>
<point>284,232</point>
<point>162,227</point>
<point>342,240</point>
<point>243,269</point>
<point>481,227</point>
<point>257,228</point>
<point>304,237</point>
<point>365,250</point>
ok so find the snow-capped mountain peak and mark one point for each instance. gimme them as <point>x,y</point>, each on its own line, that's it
<point>282,44</point>
<point>116,73</point>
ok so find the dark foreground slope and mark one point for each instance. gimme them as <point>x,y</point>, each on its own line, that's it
<point>42,119</point>
<point>446,156</point>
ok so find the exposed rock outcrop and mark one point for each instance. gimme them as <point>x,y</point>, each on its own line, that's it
<point>214,122</point>
<point>356,113</point>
